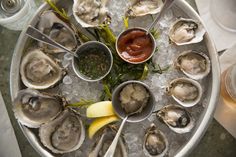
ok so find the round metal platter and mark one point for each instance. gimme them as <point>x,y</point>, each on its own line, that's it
<point>211,84</point>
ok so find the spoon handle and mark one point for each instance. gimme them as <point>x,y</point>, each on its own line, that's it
<point>111,150</point>
<point>164,8</point>
<point>38,35</point>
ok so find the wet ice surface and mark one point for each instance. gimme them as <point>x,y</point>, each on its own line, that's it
<point>117,10</point>
<point>74,89</point>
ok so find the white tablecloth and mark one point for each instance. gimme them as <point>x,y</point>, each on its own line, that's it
<point>223,39</point>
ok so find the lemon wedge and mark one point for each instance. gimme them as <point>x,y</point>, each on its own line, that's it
<point>100,109</point>
<point>99,123</point>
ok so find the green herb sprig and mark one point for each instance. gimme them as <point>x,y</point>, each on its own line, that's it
<point>126,22</point>
<point>145,72</point>
<point>155,33</point>
<point>83,103</point>
<point>158,69</point>
<point>106,33</point>
<point>61,12</point>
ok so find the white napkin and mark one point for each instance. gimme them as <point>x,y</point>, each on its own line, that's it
<point>8,143</point>
<point>226,114</point>
<point>223,39</point>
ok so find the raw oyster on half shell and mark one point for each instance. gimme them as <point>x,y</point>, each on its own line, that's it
<point>144,7</point>
<point>39,71</point>
<point>176,118</point>
<point>186,31</point>
<point>185,91</point>
<point>195,65</point>
<point>64,134</point>
<point>104,139</point>
<point>59,30</point>
<point>33,108</point>
<point>155,142</point>
<point>91,13</point>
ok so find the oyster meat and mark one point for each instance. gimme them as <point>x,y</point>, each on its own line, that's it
<point>39,71</point>
<point>155,142</point>
<point>134,97</point>
<point>144,7</point>
<point>91,13</point>
<point>60,31</point>
<point>104,140</point>
<point>64,134</point>
<point>186,92</point>
<point>33,109</point>
<point>186,31</point>
<point>176,118</point>
<point>193,64</point>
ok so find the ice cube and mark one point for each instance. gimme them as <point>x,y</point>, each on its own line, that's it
<point>67,80</point>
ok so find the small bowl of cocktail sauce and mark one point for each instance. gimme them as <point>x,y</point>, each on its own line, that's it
<point>135,46</point>
<point>94,61</point>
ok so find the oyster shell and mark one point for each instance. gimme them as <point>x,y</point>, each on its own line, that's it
<point>64,134</point>
<point>60,31</point>
<point>155,142</point>
<point>33,109</point>
<point>144,7</point>
<point>91,13</point>
<point>186,31</point>
<point>39,71</point>
<point>185,91</point>
<point>103,142</point>
<point>176,118</point>
<point>193,64</point>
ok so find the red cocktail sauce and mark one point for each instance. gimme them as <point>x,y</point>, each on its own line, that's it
<point>135,45</point>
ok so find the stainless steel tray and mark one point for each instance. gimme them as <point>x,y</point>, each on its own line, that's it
<point>212,86</point>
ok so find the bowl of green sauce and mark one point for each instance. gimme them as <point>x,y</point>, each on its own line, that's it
<point>94,61</point>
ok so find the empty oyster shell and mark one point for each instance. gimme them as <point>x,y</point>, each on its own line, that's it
<point>185,91</point>
<point>195,65</point>
<point>155,142</point>
<point>39,71</point>
<point>64,134</point>
<point>60,31</point>
<point>144,7</point>
<point>103,142</point>
<point>91,13</point>
<point>33,109</point>
<point>186,31</point>
<point>176,118</point>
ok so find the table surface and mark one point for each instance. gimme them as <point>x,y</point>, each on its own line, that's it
<point>216,142</point>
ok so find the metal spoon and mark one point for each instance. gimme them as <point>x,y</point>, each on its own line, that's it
<point>132,117</point>
<point>164,8</point>
<point>111,150</point>
<point>38,35</point>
